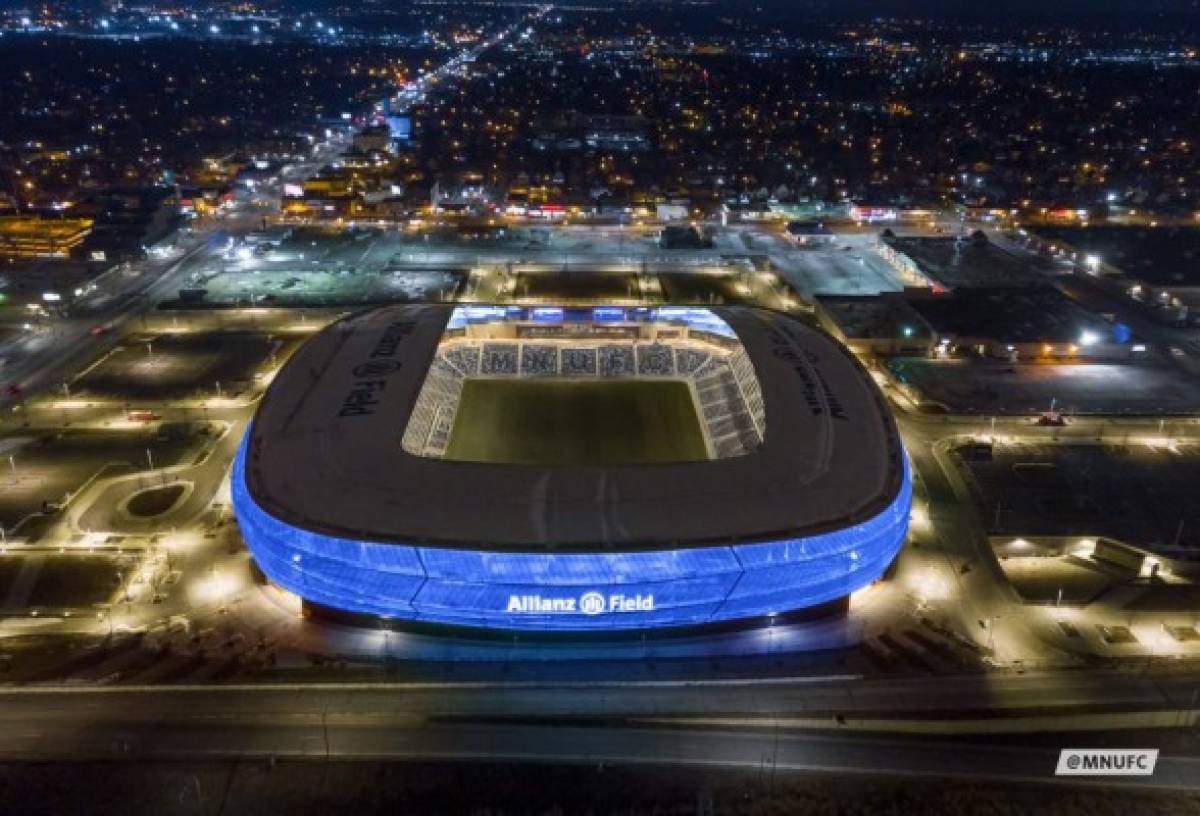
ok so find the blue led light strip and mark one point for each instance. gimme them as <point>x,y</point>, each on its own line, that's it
<point>570,592</point>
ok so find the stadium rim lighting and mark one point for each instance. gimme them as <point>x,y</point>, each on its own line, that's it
<point>671,545</point>
<point>689,587</point>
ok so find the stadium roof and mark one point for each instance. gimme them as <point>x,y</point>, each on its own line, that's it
<point>325,453</point>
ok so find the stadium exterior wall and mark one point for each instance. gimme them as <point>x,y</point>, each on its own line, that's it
<point>600,591</point>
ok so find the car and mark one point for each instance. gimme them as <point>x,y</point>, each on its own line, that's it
<point>96,331</point>
<point>143,416</point>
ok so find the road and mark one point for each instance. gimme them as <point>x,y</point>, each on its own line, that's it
<point>72,343</point>
<point>492,722</point>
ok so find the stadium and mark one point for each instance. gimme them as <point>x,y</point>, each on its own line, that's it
<point>550,469</point>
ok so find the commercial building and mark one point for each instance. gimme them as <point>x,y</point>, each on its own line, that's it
<point>949,264</point>
<point>1038,324</point>
<point>884,325</point>
<point>37,237</point>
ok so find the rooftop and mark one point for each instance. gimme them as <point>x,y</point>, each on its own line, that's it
<point>1014,315</point>
<point>47,228</point>
<point>966,263</point>
<point>1162,256</point>
<point>875,317</point>
<point>337,413</point>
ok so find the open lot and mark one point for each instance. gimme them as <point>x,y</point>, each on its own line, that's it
<point>50,582</point>
<point>170,366</point>
<point>1132,493</point>
<point>289,285</point>
<point>576,423</point>
<point>849,266</point>
<point>326,267</point>
<point>582,287</point>
<point>991,387</point>
<point>679,285</point>
<point>706,288</point>
<point>46,465</point>
<point>1039,579</point>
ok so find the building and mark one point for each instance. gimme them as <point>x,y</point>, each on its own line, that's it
<point>550,469</point>
<point>1038,324</point>
<point>36,237</point>
<point>373,139</point>
<point>1157,266</point>
<point>623,134</point>
<point>129,221</point>
<point>809,233</point>
<point>34,288</point>
<point>883,325</point>
<point>948,264</point>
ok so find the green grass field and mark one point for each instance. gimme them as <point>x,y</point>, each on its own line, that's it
<point>561,422</point>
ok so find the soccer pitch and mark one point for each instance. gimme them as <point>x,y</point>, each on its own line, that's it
<point>572,422</point>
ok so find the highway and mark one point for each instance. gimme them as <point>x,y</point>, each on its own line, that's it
<point>486,722</point>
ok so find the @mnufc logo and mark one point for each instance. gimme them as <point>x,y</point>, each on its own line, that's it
<point>1106,762</point>
<point>376,368</point>
<point>589,603</point>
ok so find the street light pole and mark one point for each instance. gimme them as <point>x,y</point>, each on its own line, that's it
<point>992,634</point>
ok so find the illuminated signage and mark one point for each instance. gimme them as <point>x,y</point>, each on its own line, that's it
<point>589,603</point>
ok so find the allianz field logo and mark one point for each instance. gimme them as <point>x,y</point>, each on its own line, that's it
<point>589,603</point>
<point>1106,762</point>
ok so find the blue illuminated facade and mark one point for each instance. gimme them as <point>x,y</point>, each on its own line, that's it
<point>598,591</point>
<point>696,318</point>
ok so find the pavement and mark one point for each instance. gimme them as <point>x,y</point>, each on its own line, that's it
<point>500,723</point>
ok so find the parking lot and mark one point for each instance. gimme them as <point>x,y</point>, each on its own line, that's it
<point>38,468</point>
<point>1056,579</point>
<point>847,266</point>
<point>1141,495</point>
<point>992,387</point>
<point>579,287</point>
<point>173,366</point>
<point>50,583</point>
